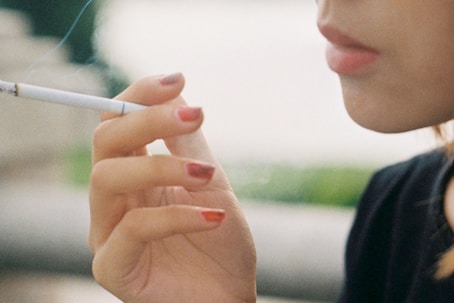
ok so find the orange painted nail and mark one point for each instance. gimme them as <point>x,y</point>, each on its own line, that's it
<point>189,114</point>
<point>213,215</point>
<point>199,170</point>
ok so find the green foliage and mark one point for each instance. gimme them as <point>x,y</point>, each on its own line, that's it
<point>322,185</point>
<point>55,17</point>
<point>77,165</point>
<point>337,186</point>
<point>115,80</point>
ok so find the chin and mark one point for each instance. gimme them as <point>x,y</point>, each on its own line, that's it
<point>385,127</point>
<point>390,122</point>
<point>379,118</point>
<point>391,112</point>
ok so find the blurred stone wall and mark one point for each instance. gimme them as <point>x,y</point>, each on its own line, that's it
<point>36,132</point>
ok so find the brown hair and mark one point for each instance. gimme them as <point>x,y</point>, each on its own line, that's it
<point>445,266</point>
<point>445,133</point>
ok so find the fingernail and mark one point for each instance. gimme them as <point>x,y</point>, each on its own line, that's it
<point>170,79</point>
<point>213,215</point>
<point>199,170</point>
<point>189,114</point>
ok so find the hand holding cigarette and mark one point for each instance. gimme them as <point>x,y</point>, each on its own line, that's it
<point>165,228</point>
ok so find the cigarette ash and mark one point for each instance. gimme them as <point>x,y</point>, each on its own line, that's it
<point>8,88</point>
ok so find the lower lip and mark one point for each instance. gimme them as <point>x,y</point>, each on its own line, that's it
<point>349,60</point>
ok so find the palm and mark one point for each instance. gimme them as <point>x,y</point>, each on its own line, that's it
<point>187,268</point>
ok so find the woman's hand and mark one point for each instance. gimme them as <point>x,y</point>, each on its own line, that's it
<point>165,228</point>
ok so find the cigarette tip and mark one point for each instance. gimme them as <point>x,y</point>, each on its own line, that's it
<point>7,88</point>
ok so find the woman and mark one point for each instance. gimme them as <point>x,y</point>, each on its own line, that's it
<point>169,228</point>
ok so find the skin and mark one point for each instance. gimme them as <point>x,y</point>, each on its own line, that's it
<point>149,240</point>
<point>410,85</point>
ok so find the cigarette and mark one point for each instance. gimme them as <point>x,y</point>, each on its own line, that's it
<point>68,98</point>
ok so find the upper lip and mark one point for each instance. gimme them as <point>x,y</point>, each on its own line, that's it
<point>339,38</point>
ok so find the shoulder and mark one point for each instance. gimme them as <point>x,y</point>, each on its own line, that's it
<point>427,162</point>
<point>399,197</point>
<point>420,174</point>
<point>395,237</point>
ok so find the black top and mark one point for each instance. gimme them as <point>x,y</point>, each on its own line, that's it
<point>399,233</point>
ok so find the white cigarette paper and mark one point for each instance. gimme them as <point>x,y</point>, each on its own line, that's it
<point>68,98</point>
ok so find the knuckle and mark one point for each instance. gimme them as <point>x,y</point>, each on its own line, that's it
<point>99,271</point>
<point>174,218</point>
<point>177,214</point>
<point>91,243</point>
<point>100,174</point>
<point>99,135</point>
<point>172,210</point>
<point>148,81</point>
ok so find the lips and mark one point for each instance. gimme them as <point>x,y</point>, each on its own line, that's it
<point>344,54</point>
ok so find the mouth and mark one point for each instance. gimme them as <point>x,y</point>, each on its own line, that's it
<point>345,55</point>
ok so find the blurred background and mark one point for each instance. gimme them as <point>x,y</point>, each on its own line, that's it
<point>274,118</point>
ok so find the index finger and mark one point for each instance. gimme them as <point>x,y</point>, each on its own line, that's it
<point>151,90</point>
